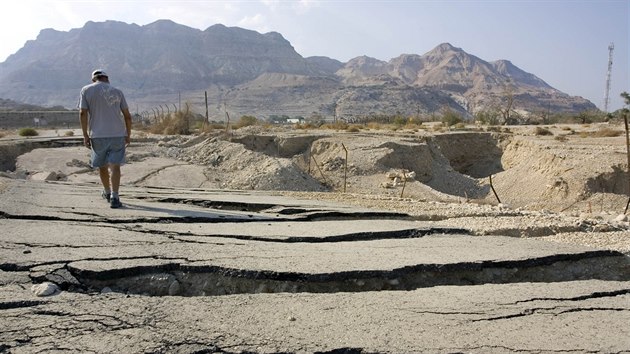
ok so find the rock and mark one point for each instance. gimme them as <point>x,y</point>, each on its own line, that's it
<point>174,288</point>
<point>45,289</point>
<point>48,176</point>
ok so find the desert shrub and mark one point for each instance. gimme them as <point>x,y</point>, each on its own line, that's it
<point>305,126</point>
<point>28,132</point>
<point>542,131</point>
<point>400,121</point>
<point>487,117</point>
<point>606,132</point>
<point>353,128</point>
<point>340,125</point>
<point>561,138</point>
<point>590,117</point>
<point>416,121</point>
<point>68,133</point>
<point>450,118</point>
<point>246,121</point>
<point>374,126</point>
<point>174,124</point>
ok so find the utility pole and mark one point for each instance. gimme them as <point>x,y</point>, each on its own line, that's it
<point>611,47</point>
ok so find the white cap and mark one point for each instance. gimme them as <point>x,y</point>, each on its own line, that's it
<point>98,73</point>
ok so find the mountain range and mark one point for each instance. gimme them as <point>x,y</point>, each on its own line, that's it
<point>165,64</point>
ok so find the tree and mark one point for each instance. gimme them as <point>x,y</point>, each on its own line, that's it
<point>487,117</point>
<point>450,117</point>
<point>507,101</point>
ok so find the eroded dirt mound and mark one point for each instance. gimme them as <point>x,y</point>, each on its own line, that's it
<point>240,168</point>
<point>567,171</point>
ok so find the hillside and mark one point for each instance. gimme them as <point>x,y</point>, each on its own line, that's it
<point>261,74</point>
<point>10,105</point>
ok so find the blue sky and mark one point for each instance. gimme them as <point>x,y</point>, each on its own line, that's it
<point>564,42</point>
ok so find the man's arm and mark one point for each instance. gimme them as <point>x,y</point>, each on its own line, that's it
<point>127,115</point>
<point>83,118</point>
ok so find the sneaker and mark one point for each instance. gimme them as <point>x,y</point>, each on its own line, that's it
<point>115,203</point>
<point>106,196</point>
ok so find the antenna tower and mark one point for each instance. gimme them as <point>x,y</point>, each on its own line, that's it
<point>611,47</point>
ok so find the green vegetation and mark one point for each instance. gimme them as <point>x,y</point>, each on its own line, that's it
<point>28,132</point>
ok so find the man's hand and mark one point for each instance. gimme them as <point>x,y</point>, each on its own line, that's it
<point>87,142</point>
<point>127,140</point>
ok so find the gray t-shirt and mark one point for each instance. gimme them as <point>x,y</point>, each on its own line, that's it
<point>104,104</point>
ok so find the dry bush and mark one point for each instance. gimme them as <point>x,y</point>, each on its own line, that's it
<point>68,133</point>
<point>354,128</point>
<point>335,126</point>
<point>177,123</point>
<point>542,131</point>
<point>414,126</point>
<point>606,132</point>
<point>438,127</point>
<point>28,132</point>
<point>374,126</point>
<point>304,126</point>
<point>561,138</point>
<point>245,121</point>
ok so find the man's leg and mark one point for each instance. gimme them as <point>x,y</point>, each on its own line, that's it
<point>103,172</point>
<point>115,169</point>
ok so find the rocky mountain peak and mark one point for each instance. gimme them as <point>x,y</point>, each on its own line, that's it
<point>164,58</point>
<point>446,47</point>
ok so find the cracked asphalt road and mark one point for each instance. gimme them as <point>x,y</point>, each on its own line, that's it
<point>207,271</point>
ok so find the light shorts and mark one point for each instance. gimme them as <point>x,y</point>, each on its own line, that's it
<point>107,151</point>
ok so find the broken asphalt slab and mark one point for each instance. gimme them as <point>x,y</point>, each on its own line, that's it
<point>148,278</point>
<point>579,316</point>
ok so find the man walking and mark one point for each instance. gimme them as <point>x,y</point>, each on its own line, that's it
<point>105,131</point>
